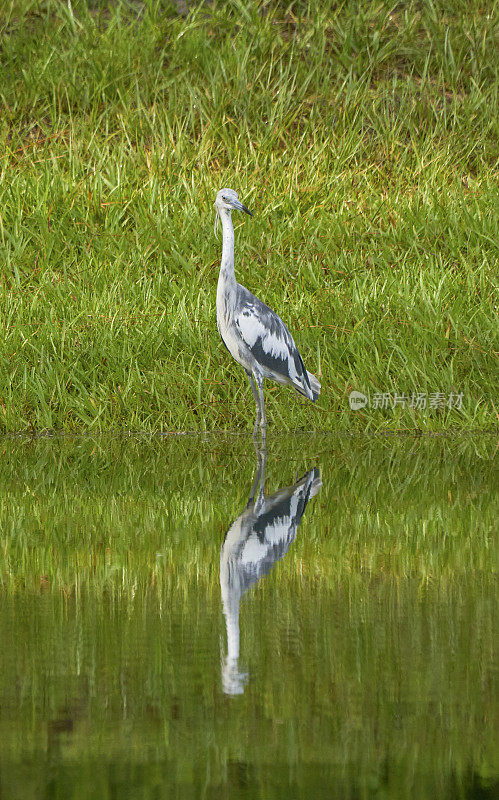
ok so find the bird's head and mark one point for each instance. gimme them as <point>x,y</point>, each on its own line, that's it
<point>228,200</point>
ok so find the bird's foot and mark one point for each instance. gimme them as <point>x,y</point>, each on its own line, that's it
<point>260,426</point>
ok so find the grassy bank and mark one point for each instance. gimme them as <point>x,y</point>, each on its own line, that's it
<point>362,136</point>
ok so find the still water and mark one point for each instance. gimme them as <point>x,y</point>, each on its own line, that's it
<point>187,617</point>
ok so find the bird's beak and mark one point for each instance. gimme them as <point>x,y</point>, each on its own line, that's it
<point>239,206</point>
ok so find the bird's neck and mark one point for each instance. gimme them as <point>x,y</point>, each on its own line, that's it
<point>232,624</point>
<point>227,263</point>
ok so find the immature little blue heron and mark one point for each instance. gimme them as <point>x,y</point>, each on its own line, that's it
<point>253,334</point>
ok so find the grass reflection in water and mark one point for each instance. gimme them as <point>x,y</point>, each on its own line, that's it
<point>369,647</point>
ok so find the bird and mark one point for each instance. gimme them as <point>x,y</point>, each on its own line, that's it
<point>259,537</point>
<point>255,336</point>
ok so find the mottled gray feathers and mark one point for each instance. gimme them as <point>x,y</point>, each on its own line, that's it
<point>269,341</point>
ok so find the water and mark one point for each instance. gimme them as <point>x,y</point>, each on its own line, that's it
<point>339,641</point>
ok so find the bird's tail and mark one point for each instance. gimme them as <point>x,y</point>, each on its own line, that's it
<point>314,385</point>
<point>309,390</point>
<point>316,483</point>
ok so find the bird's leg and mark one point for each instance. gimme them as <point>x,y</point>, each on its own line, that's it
<point>259,479</point>
<point>262,463</point>
<point>257,401</point>
<point>261,403</point>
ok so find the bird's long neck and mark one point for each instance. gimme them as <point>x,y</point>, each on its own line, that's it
<point>232,625</point>
<point>227,263</point>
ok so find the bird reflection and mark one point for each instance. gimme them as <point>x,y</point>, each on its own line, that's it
<point>259,537</point>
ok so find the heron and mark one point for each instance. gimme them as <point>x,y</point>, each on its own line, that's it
<point>255,336</point>
<point>259,537</point>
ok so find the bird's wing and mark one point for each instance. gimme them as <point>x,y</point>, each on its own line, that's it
<point>269,340</point>
<point>275,527</point>
<point>285,508</point>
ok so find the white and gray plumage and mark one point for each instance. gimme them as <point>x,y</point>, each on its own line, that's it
<point>255,541</point>
<point>254,335</point>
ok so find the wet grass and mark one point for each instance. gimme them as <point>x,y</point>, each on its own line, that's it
<point>363,136</point>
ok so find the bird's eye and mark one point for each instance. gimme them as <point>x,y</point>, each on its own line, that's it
<point>224,198</point>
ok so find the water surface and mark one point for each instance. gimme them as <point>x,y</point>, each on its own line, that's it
<point>163,638</point>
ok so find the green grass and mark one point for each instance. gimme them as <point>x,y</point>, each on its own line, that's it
<point>364,138</point>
